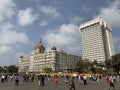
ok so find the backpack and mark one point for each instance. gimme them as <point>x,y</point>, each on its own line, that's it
<point>110,80</point>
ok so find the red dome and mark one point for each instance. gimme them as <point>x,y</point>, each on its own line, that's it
<point>62,51</point>
<point>53,48</point>
<point>39,46</point>
<point>21,56</point>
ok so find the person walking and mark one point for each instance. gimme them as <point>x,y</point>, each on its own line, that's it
<point>79,78</point>
<point>72,84</point>
<point>41,80</point>
<point>111,82</point>
<point>16,80</point>
<point>2,78</point>
<point>85,80</point>
<point>67,79</point>
<point>55,79</point>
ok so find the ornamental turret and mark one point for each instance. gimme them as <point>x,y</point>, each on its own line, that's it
<point>39,48</point>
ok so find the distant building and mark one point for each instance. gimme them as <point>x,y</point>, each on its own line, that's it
<point>40,59</point>
<point>97,43</point>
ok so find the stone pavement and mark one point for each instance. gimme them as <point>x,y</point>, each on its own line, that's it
<point>49,85</point>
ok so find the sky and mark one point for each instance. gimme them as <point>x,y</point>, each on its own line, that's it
<point>56,22</point>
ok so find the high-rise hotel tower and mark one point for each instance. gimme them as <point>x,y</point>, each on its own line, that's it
<point>97,44</point>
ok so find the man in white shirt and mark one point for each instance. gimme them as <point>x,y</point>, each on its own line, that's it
<point>85,80</point>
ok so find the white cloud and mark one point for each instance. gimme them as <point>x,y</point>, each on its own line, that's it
<point>27,16</point>
<point>66,37</point>
<point>22,54</point>
<point>85,8</point>
<point>43,23</point>
<point>8,57</point>
<point>116,40</point>
<point>111,13</point>
<point>9,36</point>
<point>9,40</point>
<point>50,11</point>
<point>12,37</point>
<point>4,49</point>
<point>7,9</point>
<point>76,20</point>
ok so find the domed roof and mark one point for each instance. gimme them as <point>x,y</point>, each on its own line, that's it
<point>21,56</point>
<point>53,48</point>
<point>62,51</point>
<point>39,46</point>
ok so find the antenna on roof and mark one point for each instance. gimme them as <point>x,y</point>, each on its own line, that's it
<point>40,40</point>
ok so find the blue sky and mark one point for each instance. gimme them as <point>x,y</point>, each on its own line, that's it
<point>24,22</point>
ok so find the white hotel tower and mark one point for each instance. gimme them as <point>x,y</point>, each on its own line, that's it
<point>97,44</point>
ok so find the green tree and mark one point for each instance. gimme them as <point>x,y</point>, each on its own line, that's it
<point>48,70</point>
<point>93,69</point>
<point>79,67</point>
<point>83,66</point>
<point>5,70</point>
<point>108,64</point>
<point>116,63</point>
<point>1,69</point>
<point>12,69</point>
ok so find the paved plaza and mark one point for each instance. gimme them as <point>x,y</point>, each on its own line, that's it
<point>49,85</point>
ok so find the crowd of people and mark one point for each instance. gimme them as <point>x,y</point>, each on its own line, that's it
<point>67,79</point>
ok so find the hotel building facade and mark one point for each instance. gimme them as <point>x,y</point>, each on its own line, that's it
<point>97,43</point>
<point>40,59</point>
